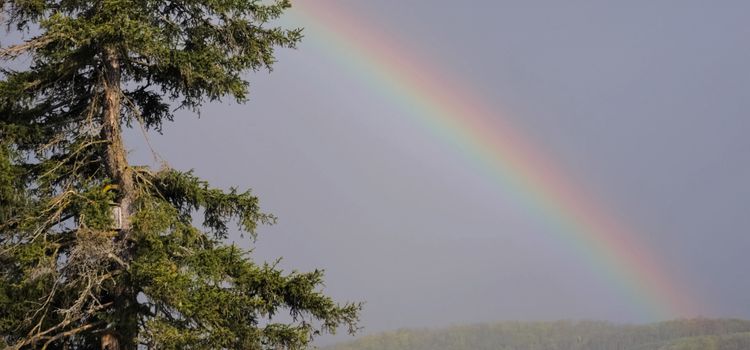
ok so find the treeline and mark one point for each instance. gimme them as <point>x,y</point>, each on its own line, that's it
<point>692,334</point>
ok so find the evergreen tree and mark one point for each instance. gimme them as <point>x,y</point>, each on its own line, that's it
<point>97,253</point>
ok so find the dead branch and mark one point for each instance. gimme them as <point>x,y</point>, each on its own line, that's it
<point>14,51</point>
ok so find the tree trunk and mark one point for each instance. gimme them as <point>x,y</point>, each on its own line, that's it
<point>109,342</point>
<point>116,156</point>
<point>122,336</point>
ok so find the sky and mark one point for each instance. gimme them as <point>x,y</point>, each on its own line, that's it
<point>642,104</point>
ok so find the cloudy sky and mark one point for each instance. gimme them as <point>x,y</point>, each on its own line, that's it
<point>643,104</point>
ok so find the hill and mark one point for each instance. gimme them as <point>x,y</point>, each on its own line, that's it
<point>693,334</point>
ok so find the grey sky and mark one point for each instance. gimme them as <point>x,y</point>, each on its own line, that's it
<point>644,102</point>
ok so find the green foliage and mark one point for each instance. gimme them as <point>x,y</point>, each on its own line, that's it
<point>736,341</point>
<point>73,271</point>
<point>698,334</point>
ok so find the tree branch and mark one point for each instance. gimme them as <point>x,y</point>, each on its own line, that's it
<point>14,51</point>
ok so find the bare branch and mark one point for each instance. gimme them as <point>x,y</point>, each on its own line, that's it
<point>14,51</point>
<point>70,332</point>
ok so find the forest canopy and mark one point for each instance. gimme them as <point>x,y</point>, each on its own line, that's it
<point>695,334</point>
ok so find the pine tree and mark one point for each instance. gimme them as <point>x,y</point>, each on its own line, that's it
<point>98,253</point>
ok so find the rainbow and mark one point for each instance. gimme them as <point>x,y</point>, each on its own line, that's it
<point>453,113</point>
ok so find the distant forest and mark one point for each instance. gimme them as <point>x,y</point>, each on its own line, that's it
<point>692,334</point>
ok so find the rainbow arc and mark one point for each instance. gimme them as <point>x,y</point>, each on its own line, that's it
<point>454,114</point>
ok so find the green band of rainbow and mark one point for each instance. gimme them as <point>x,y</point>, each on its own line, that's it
<point>455,115</point>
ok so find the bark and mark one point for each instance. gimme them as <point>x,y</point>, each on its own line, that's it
<point>109,342</point>
<point>116,156</point>
<point>122,336</point>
